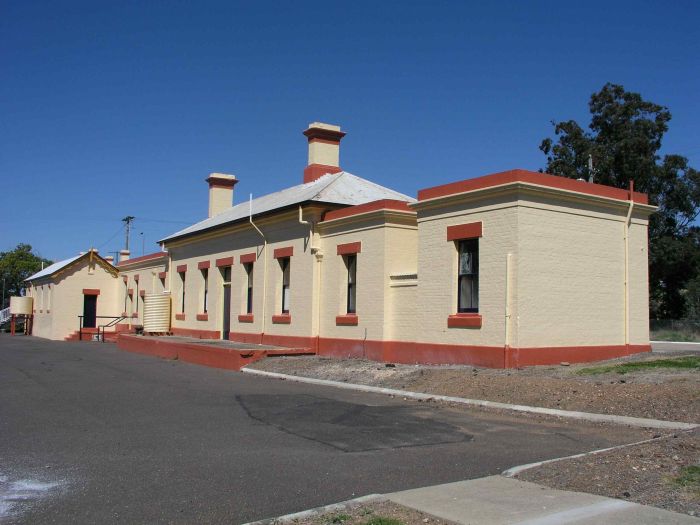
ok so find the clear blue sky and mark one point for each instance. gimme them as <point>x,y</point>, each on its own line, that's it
<point>110,109</point>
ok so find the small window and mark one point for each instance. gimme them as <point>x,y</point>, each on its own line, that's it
<point>249,285</point>
<point>182,278</point>
<point>351,263</point>
<point>468,276</point>
<point>284,264</point>
<point>205,277</point>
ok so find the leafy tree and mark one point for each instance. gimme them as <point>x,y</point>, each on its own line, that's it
<point>623,140</point>
<point>16,266</point>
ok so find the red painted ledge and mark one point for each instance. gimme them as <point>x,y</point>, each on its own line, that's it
<point>162,275</point>
<point>248,258</point>
<point>181,268</point>
<point>282,319</point>
<point>349,248</point>
<point>91,291</point>
<point>281,253</point>
<point>464,321</point>
<point>224,261</point>
<point>245,318</point>
<point>202,317</point>
<point>347,320</point>
<point>179,317</point>
<point>203,265</point>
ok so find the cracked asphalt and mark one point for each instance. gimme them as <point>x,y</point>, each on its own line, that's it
<point>126,438</point>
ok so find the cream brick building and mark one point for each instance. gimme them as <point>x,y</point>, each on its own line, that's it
<point>510,269</point>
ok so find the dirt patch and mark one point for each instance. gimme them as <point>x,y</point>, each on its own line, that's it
<point>650,473</point>
<point>654,393</point>
<point>377,513</point>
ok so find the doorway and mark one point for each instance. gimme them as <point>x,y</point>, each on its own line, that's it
<point>226,325</point>
<point>89,311</point>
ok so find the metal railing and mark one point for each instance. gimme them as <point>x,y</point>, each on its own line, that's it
<point>5,315</point>
<point>114,321</point>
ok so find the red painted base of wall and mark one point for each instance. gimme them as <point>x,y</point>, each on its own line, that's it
<point>199,334</point>
<point>197,353</point>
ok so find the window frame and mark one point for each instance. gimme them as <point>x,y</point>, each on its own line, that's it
<point>183,281</point>
<point>205,277</point>
<point>468,246</point>
<point>249,270</point>
<point>285,265</point>
<point>351,289</point>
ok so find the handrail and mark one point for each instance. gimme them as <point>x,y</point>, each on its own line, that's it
<point>115,320</point>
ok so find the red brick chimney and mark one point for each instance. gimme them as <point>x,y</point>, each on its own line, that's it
<point>324,150</point>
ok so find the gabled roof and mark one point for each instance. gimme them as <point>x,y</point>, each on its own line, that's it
<point>337,188</point>
<point>57,267</point>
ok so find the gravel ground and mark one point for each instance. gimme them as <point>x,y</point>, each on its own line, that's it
<point>672,395</point>
<point>642,473</point>
<point>370,514</point>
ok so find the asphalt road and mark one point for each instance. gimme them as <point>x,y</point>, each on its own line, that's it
<point>90,434</point>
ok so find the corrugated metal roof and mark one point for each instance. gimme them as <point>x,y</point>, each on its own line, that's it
<point>49,270</point>
<point>338,188</point>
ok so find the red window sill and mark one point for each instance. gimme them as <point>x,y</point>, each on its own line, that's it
<point>346,320</point>
<point>202,317</point>
<point>282,319</point>
<point>179,317</point>
<point>245,318</point>
<point>464,321</point>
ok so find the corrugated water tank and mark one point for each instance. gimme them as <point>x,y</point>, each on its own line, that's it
<point>156,313</point>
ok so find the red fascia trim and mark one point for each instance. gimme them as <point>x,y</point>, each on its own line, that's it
<point>349,248</point>
<point>162,275</point>
<point>225,261</point>
<point>182,268</point>
<point>282,319</point>
<point>203,265</point>
<point>245,318</point>
<point>248,258</point>
<point>471,230</point>
<point>136,277</point>
<point>179,317</point>
<point>280,253</point>
<point>382,204</point>
<point>202,317</point>
<point>531,177</point>
<point>316,171</point>
<point>347,320</point>
<point>148,257</point>
<point>464,321</point>
<point>142,293</point>
<point>91,291</point>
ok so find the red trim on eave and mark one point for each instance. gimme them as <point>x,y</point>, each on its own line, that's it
<point>382,204</point>
<point>225,261</point>
<point>349,248</point>
<point>282,319</point>
<point>245,318</point>
<point>346,320</point>
<point>182,268</point>
<point>179,317</point>
<point>464,321</point>
<point>203,265</point>
<point>162,275</point>
<point>280,253</point>
<point>316,171</point>
<point>471,230</point>
<point>148,257</point>
<point>248,258</point>
<point>91,291</point>
<point>202,317</point>
<point>531,177</point>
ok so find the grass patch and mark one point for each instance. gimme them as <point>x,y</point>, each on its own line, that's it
<point>339,518</point>
<point>688,362</point>
<point>379,520</point>
<point>675,335</point>
<point>689,477</point>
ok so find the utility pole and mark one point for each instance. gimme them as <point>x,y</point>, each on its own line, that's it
<point>128,220</point>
